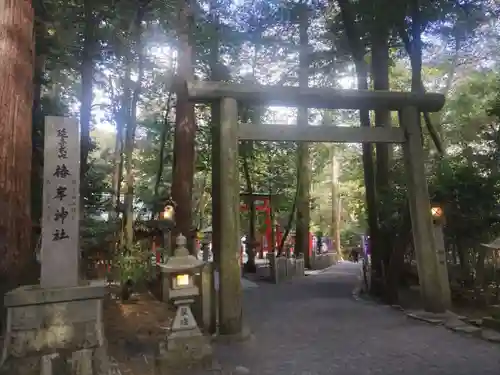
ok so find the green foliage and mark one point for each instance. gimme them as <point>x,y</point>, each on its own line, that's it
<point>258,42</point>
<point>470,200</point>
<point>393,203</point>
<point>134,264</point>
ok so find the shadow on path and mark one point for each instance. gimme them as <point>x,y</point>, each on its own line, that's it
<point>313,326</point>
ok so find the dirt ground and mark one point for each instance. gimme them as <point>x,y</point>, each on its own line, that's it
<point>133,330</point>
<point>410,299</point>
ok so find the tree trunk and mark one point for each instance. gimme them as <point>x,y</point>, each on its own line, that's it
<point>165,131</point>
<point>371,197</point>
<point>41,51</point>
<point>414,50</point>
<point>358,54</point>
<point>215,130</point>
<point>335,228</point>
<point>201,203</point>
<point>252,115</point>
<point>288,228</point>
<point>17,258</point>
<point>380,75</point>
<point>128,229</point>
<point>303,164</point>
<point>479,282</point>
<point>185,132</point>
<point>90,45</point>
<point>121,122</point>
<point>250,265</point>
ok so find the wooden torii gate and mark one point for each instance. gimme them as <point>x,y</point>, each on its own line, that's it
<point>432,274</point>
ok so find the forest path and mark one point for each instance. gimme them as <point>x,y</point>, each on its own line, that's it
<point>314,326</point>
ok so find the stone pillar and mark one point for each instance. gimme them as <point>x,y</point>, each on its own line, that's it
<point>203,307</point>
<point>209,300</point>
<point>435,292</point>
<point>300,266</point>
<point>56,327</point>
<point>281,262</point>
<point>60,253</point>
<point>442,264</point>
<point>230,291</point>
<point>290,268</point>
<point>53,331</point>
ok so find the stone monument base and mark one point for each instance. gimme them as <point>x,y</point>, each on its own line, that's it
<point>55,331</point>
<point>180,353</point>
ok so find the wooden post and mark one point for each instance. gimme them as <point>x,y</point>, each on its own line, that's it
<point>230,296</point>
<point>434,290</point>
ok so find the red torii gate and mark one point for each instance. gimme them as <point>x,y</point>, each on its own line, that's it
<point>262,203</point>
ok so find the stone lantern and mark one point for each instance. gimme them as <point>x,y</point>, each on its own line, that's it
<point>185,338</point>
<point>182,266</point>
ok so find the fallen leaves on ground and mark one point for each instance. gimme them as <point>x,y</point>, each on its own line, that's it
<point>133,330</point>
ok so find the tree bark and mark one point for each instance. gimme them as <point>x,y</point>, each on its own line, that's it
<point>380,76</point>
<point>358,54</point>
<point>90,46</point>
<point>121,116</point>
<point>252,114</point>
<point>303,157</point>
<point>185,132</point>
<point>164,135</point>
<point>201,203</point>
<point>335,227</point>
<point>250,265</point>
<point>215,75</point>
<point>412,47</point>
<point>17,258</point>
<point>41,52</point>
<point>128,229</point>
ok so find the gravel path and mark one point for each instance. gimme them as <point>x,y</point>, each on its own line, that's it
<point>313,326</point>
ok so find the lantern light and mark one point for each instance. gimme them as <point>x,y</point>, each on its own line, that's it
<point>168,212</point>
<point>182,280</point>
<point>436,212</point>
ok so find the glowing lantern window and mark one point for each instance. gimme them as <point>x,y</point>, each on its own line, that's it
<point>436,212</point>
<point>182,280</point>
<point>168,213</point>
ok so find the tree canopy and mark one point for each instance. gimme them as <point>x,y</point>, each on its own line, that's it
<point>112,64</point>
